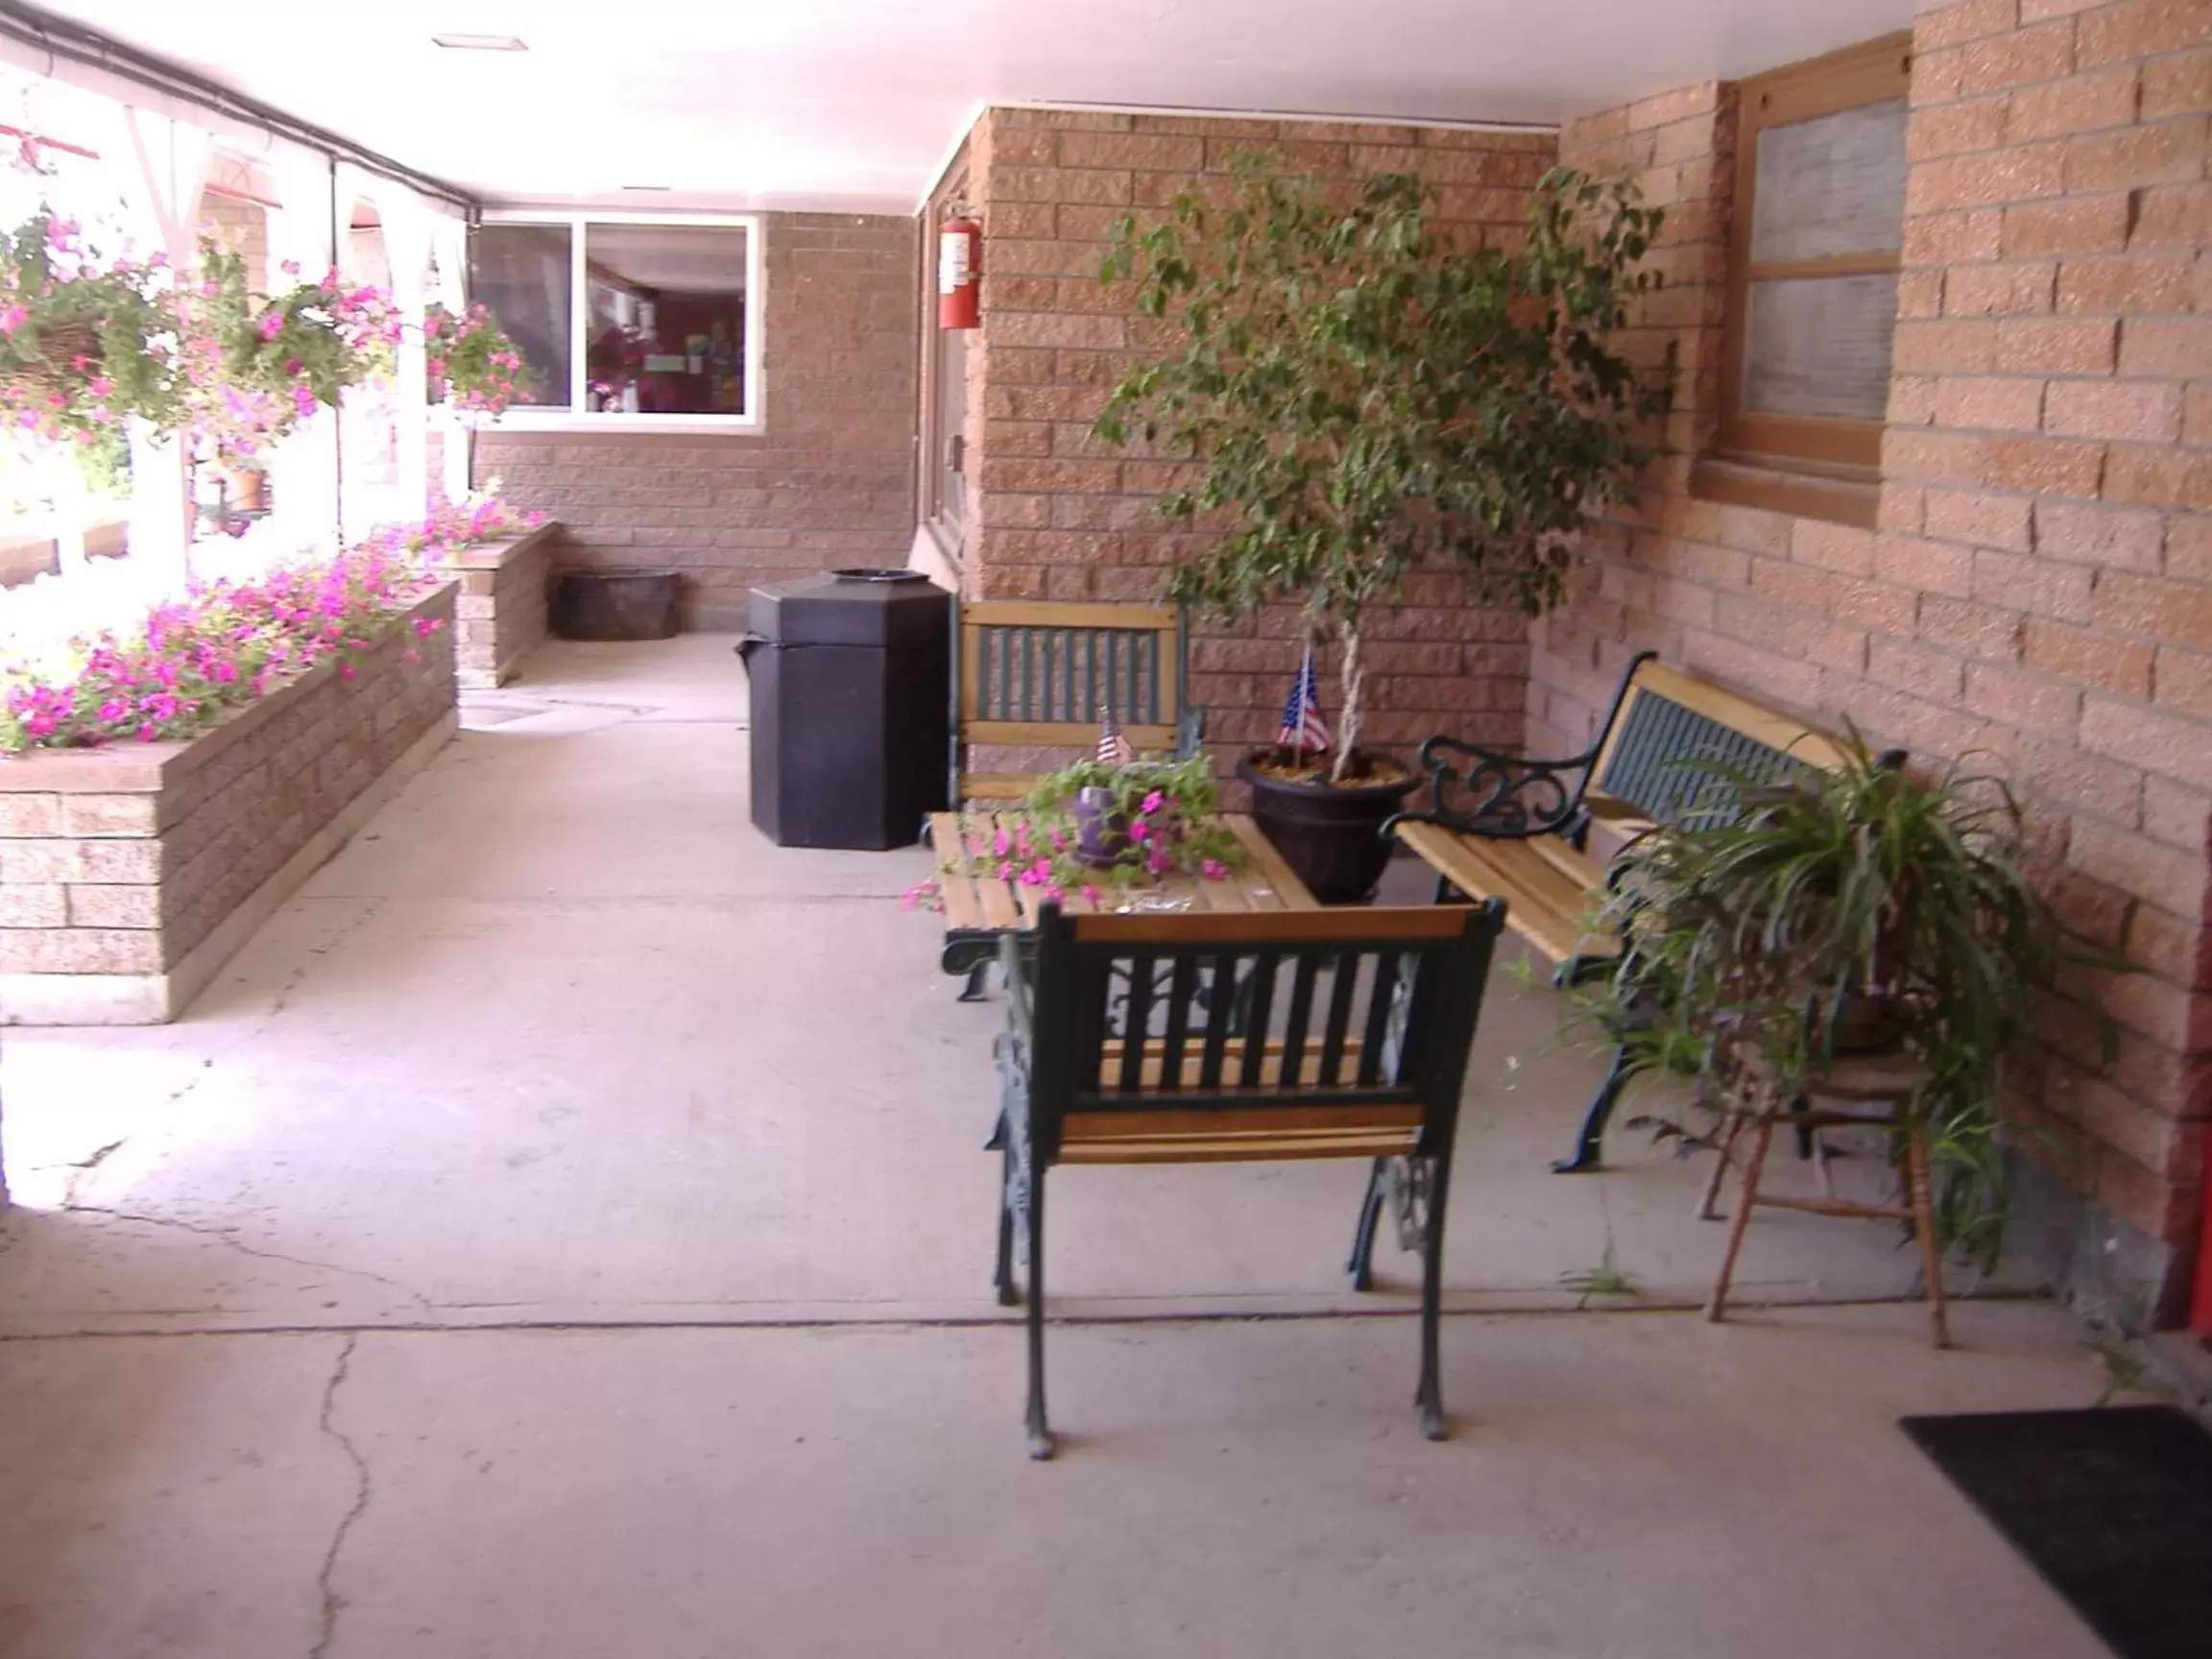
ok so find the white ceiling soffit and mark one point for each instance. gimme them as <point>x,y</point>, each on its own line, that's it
<point>850,105</point>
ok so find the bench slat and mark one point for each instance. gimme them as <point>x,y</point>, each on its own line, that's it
<point>1542,904</point>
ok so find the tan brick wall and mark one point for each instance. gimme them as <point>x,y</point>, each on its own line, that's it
<point>1055,517</point>
<point>122,859</point>
<point>2040,586</point>
<point>831,479</point>
<point>501,614</point>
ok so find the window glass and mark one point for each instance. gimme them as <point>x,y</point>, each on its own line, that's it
<point>1831,186</point>
<point>1820,346</point>
<point>952,425</point>
<point>666,331</point>
<point>522,273</point>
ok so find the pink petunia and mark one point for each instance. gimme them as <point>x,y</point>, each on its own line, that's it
<point>1213,870</point>
<point>1152,802</point>
<point>272,325</point>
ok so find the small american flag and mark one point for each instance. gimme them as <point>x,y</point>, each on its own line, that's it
<point>1302,727</point>
<point>1113,748</point>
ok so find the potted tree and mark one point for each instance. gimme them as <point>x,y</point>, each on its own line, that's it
<point>1365,397</point>
<point>1860,907</point>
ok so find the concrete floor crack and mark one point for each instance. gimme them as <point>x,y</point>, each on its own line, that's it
<point>225,1235</point>
<point>333,1603</point>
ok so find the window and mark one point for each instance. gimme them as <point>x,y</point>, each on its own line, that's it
<point>627,320</point>
<point>944,398</point>
<point>1811,301</point>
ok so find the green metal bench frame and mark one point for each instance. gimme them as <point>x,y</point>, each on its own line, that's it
<point>1349,1039</point>
<point>1034,673</point>
<point>1515,812</point>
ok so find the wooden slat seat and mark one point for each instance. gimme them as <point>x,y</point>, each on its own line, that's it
<point>1215,1037</point>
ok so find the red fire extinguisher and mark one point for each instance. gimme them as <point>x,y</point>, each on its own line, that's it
<point>959,273</point>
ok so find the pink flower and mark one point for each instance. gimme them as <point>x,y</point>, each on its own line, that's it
<point>1152,802</point>
<point>1090,892</point>
<point>12,319</point>
<point>1139,831</point>
<point>1213,870</point>
<point>1003,843</point>
<point>113,711</point>
<point>1160,863</point>
<point>272,325</point>
<point>348,670</point>
<point>426,626</point>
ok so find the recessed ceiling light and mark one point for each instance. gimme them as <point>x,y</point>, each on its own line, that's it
<point>479,42</point>
<point>648,186</point>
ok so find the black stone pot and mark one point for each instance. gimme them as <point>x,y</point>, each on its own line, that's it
<point>614,605</point>
<point>1331,836</point>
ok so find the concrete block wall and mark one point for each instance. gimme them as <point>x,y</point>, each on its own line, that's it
<point>831,479</point>
<point>2040,586</point>
<point>502,612</point>
<point>129,873</point>
<point>1055,517</point>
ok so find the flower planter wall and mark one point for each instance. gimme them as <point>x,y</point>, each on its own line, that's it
<point>503,606</point>
<point>129,875</point>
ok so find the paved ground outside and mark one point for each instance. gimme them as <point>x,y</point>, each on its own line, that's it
<point>564,1232</point>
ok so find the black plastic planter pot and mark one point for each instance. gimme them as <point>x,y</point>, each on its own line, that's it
<point>1331,836</point>
<point>614,605</point>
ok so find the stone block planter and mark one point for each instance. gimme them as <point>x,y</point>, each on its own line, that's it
<point>503,606</point>
<point>129,874</point>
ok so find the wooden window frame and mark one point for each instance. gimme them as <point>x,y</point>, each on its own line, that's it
<point>1825,465</point>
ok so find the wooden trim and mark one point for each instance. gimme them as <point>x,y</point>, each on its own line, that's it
<point>1230,1148</point>
<point>1873,72</point>
<point>1813,441</point>
<point>1875,262</point>
<point>1054,613</point>
<point>1793,738</point>
<point>1083,732</point>
<point>1339,926</point>
<point>1739,483</point>
<point>1142,1123</point>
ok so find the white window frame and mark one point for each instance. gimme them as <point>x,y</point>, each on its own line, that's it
<point>522,417</point>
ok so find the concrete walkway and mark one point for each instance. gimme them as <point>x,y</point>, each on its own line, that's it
<point>562,1232</point>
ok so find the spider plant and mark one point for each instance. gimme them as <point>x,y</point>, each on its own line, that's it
<point>1857,905</point>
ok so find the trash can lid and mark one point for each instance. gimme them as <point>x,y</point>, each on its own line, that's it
<point>853,607</point>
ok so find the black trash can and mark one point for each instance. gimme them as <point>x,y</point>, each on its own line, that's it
<point>851,707</point>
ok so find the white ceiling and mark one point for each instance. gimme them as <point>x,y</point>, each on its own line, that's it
<point>853,104</point>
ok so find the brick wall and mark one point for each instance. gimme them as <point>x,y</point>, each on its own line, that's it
<point>2040,584</point>
<point>123,864</point>
<point>241,226</point>
<point>1055,517</point>
<point>502,612</point>
<point>828,482</point>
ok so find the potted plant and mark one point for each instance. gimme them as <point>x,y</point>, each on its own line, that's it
<point>1858,908</point>
<point>1101,830</point>
<point>1363,398</point>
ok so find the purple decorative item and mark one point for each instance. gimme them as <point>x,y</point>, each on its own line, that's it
<point>1102,833</point>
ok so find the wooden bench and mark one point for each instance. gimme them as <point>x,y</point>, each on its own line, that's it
<point>1539,834</point>
<point>1349,1039</point>
<point>1030,675</point>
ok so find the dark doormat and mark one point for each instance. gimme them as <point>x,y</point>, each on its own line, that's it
<point>2113,1506</point>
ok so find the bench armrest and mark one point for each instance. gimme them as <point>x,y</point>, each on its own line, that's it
<point>1481,791</point>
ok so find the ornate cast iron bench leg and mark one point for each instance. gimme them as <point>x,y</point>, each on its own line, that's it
<point>1041,1443</point>
<point>1361,1265</point>
<point>1590,1138</point>
<point>972,954</point>
<point>1428,1396</point>
<point>1002,1277</point>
